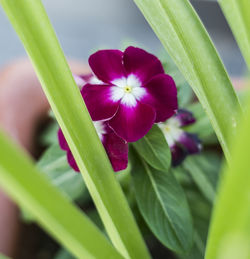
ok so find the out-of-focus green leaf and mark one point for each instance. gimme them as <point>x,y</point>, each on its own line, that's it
<point>29,188</point>
<point>204,169</point>
<point>154,149</point>
<point>202,127</point>
<point>237,13</point>
<point>163,205</point>
<point>229,234</point>
<point>54,165</point>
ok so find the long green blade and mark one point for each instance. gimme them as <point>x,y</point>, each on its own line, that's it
<point>37,35</point>
<point>182,34</point>
<point>237,13</point>
<point>54,212</point>
<point>230,227</point>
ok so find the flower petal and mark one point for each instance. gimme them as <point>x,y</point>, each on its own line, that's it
<point>184,117</point>
<point>72,161</point>
<point>98,99</point>
<point>117,151</point>
<point>62,141</point>
<point>142,64</point>
<point>162,95</point>
<point>107,65</point>
<point>133,122</point>
<point>190,142</point>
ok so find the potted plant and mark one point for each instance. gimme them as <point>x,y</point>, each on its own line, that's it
<point>136,114</point>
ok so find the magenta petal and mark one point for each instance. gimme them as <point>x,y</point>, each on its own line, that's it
<point>117,151</point>
<point>98,101</point>
<point>141,63</point>
<point>107,65</point>
<point>132,123</point>
<point>72,161</point>
<point>162,95</point>
<point>62,141</point>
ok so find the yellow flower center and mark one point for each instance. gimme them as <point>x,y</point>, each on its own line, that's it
<point>167,128</point>
<point>127,89</point>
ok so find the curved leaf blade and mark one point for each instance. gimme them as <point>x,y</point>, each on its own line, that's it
<point>163,205</point>
<point>182,34</point>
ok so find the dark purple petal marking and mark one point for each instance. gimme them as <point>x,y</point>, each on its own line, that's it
<point>184,117</point>
<point>132,123</point>
<point>72,161</point>
<point>62,141</point>
<point>178,154</point>
<point>98,101</point>
<point>190,142</point>
<point>142,64</point>
<point>117,151</point>
<point>107,65</point>
<point>162,95</point>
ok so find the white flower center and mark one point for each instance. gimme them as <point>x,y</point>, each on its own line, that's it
<point>127,90</point>
<point>171,131</point>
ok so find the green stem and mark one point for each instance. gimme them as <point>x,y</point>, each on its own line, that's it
<point>237,13</point>
<point>184,37</point>
<point>53,211</point>
<point>31,23</point>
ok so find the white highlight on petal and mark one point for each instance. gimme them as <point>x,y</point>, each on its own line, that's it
<point>79,81</point>
<point>129,100</point>
<point>95,81</point>
<point>133,81</point>
<point>117,93</point>
<point>100,128</point>
<point>128,90</point>
<point>138,92</point>
<point>120,82</point>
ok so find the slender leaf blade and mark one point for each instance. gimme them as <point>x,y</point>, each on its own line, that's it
<point>163,205</point>
<point>182,34</point>
<point>39,39</point>
<point>229,234</point>
<point>237,13</point>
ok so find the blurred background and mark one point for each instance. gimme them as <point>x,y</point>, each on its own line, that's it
<point>83,26</point>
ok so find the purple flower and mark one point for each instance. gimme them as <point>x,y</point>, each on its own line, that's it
<point>181,143</point>
<point>116,148</point>
<point>134,92</point>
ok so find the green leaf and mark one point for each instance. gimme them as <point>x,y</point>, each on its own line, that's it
<point>55,166</point>
<point>154,149</point>
<point>202,127</point>
<point>54,212</point>
<point>39,39</point>
<point>229,234</point>
<point>163,205</point>
<point>204,170</point>
<point>4,257</point>
<point>237,13</point>
<point>182,34</point>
